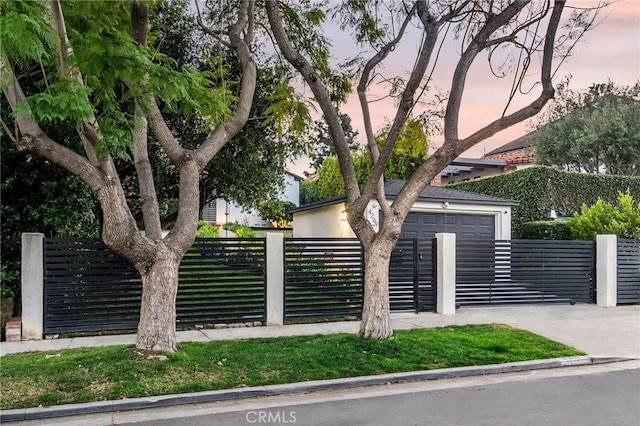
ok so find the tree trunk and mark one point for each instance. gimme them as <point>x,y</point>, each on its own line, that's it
<point>157,327</point>
<point>376,317</point>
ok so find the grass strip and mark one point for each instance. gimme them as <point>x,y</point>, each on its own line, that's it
<point>116,372</point>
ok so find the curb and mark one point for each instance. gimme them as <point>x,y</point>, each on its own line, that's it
<point>292,388</point>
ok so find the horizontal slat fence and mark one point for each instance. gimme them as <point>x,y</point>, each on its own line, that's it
<point>524,271</point>
<point>323,278</point>
<point>90,288</point>
<point>222,280</point>
<point>628,271</point>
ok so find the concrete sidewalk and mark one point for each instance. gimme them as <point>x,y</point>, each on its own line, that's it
<point>600,332</point>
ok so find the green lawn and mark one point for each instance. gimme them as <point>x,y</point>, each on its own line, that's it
<point>115,372</point>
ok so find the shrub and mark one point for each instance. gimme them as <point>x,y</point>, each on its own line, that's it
<point>206,230</point>
<point>546,230</point>
<point>242,231</point>
<point>603,217</point>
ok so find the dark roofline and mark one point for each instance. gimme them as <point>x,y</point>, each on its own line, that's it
<point>463,161</point>
<point>520,143</point>
<point>295,176</point>
<point>322,203</point>
<point>468,165</point>
<point>481,200</point>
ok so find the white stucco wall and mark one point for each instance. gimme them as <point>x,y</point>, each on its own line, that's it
<point>326,221</point>
<point>291,190</point>
<point>229,211</point>
<point>322,222</point>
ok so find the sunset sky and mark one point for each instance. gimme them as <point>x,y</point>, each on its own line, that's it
<point>610,51</point>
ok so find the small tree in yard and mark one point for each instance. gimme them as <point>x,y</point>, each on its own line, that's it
<point>526,30</point>
<point>96,72</point>
<point>594,132</point>
<point>277,212</point>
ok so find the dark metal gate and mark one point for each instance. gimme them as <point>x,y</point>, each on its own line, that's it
<point>628,271</point>
<point>412,282</point>
<point>524,271</point>
<point>324,277</point>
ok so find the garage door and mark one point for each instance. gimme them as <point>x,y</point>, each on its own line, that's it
<point>465,226</point>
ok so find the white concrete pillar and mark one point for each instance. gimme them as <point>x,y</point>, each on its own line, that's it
<point>32,281</point>
<point>446,274</point>
<point>606,270</point>
<point>275,278</point>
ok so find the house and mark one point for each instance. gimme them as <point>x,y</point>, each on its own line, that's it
<point>468,215</point>
<point>518,153</point>
<point>515,155</point>
<point>462,169</point>
<point>220,211</point>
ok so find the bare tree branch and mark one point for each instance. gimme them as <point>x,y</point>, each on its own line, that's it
<point>407,100</point>
<point>214,142</point>
<point>466,60</point>
<point>163,134</point>
<point>8,131</point>
<point>217,34</point>
<point>365,79</point>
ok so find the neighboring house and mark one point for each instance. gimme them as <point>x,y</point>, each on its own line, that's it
<point>220,211</point>
<point>462,169</point>
<point>468,215</point>
<point>518,154</point>
<point>515,155</point>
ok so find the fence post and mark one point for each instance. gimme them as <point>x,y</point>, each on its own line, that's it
<point>275,278</point>
<point>446,274</point>
<point>606,270</point>
<point>32,281</point>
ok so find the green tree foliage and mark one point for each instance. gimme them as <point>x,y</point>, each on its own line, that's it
<point>39,196</point>
<point>594,131</point>
<point>409,153</point>
<point>621,219</point>
<point>277,212</point>
<point>323,146</point>
<point>264,145</point>
<point>309,191</point>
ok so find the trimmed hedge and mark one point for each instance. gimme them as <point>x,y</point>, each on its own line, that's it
<point>546,230</point>
<point>541,188</point>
